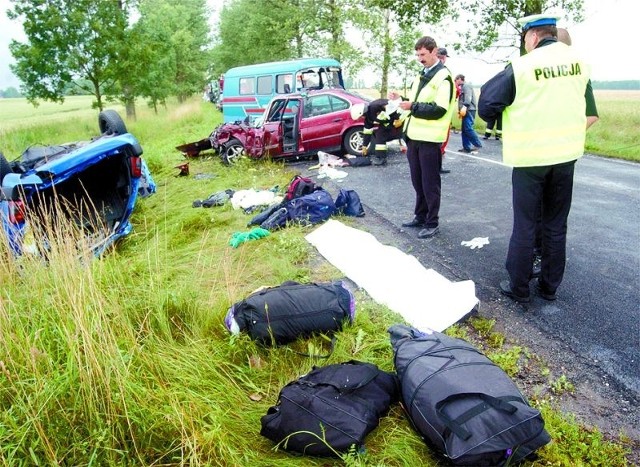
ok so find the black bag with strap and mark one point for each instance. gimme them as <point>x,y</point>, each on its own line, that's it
<point>330,409</point>
<point>282,314</point>
<point>461,402</point>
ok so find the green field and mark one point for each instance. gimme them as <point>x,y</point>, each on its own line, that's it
<point>125,360</point>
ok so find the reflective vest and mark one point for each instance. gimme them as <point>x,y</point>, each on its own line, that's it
<point>440,91</point>
<point>546,123</point>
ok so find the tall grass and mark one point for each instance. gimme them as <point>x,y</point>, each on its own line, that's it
<point>125,360</point>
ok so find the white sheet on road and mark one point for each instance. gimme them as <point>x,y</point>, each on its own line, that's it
<point>425,298</point>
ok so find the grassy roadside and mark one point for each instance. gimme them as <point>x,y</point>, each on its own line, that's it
<point>125,361</point>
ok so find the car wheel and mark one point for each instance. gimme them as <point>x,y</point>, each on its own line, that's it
<point>5,167</point>
<point>352,141</point>
<point>232,150</point>
<point>111,123</point>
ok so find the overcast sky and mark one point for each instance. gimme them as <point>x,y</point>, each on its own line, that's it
<point>604,40</point>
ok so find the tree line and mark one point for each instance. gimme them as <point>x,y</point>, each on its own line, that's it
<point>156,49</point>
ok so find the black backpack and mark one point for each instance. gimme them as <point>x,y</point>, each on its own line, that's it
<point>330,409</point>
<point>461,402</point>
<point>282,314</point>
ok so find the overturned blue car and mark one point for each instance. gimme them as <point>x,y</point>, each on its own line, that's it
<point>91,184</point>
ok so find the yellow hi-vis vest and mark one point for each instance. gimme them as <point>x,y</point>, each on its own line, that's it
<point>440,91</point>
<point>546,123</point>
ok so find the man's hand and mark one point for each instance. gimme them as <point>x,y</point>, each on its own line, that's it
<point>463,111</point>
<point>397,123</point>
<point>365,150</point>
<point>393,95</point>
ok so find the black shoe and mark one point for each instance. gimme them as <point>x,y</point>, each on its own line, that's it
<point>497,138</point>
<point>505,289</point>
<point>551,296</point>
<point>468,151</point>
<point>486,136</point>
<point>428,232</point>
<point>445,171</point>
<point>414,223</point>
<point>537,266</point>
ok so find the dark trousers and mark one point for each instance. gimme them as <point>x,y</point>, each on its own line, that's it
<point>376,142</point>
<point>497,123</point>
<point>424,166</point>
<point>552,187</point>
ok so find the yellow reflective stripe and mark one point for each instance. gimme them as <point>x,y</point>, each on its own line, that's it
<point>367,131</point>
<point>381,147</point>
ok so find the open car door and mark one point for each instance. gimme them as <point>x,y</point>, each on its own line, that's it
<point>281,127</point>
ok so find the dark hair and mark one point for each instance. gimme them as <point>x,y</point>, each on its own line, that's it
<point>549,30</point>
<point>459,77</point>
<point>426,42</point>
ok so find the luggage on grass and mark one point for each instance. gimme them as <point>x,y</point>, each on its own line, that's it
<point>299,186</point>
<point>330,409</point>
<point>308,209</point>
<point>348,203</point>
<point>461,402</point>
<point>281,314</point>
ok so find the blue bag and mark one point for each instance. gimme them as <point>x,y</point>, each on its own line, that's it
<point>313,208</point>
<point>348,203</point>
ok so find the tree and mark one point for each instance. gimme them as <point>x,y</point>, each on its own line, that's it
<point>272,30</point>
<point>67,40</point>
<point>189,44</point>
<point>10,92</point>
<point>252,32</point>
<point>389,42</point>
<point>415,11</point>
<point>493,23</point>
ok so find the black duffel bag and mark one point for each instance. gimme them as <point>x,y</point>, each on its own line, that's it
<point>282,314</point>
<point>462,403</point>
<point>331,409</point>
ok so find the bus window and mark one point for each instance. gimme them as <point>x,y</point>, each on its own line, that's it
<point>331,78</point>
<point>284,83</point>
<point>264,85</point>
<point>247,85</point>
<point>310,79</point>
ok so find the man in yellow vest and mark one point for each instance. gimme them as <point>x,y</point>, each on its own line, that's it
<point>426,128</point>
<point>544,130</point>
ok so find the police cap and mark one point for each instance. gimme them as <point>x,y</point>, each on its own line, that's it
<point>533,21</point>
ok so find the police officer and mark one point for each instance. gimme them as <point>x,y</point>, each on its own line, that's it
<point>544,129</point>
<point>431,106</point>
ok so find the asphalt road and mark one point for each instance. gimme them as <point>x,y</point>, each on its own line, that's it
<point>596,315</point>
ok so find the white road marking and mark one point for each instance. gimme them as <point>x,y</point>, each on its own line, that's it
<point>479,158</point>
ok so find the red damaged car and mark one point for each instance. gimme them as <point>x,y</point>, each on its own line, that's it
<point>292,126</point>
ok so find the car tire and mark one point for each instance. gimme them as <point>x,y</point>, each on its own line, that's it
<point>352,141</point>
<point>5,167</point>
<point>111,123</point>
<point>231,151</point>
